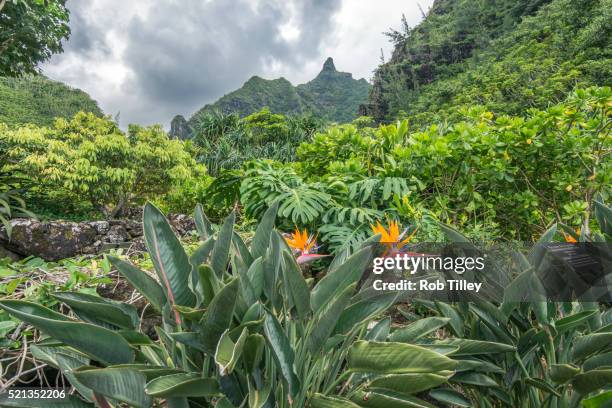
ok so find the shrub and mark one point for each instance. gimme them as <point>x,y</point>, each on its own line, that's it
<point>89,159</point>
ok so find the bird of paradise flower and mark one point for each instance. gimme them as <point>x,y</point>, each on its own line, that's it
<point>392,239</point>
<point>304,246</point>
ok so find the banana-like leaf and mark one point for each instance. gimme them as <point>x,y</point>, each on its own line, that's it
<point>592,380</point>
<point>197,258</point>
<point>468,347</point>
<point>100,344</point>
<point>169,258</point>
<point>328,318</point>
<point>253,351</point>
<point>242,250</point>
<point>411,383</point>
<point>120,384</point>
<point>603,213</point>
<point>561,373</point>
<point>418,329</point>
<point>364,310</point>
<point>323,401</point>
<point>395,358</point>
<point>220,252</point>
<point>388,399</point>
<point>339,279</point>
<point>571,322</point>
<point>584,346</point>
<point>297,289</point>
<point>183,385</point>
<point>456,321</point>
<point>597,361</point>
<point>261,239</point>
<point>259,398</point>
<point>380,331</point>
<point>150,371</point>
<point>146,285</point>
<point>256,276</point>
<point>203,225</point>
<point>542,385</point>
<point>473,378</point>
<point>116,313</point>
<point>282,353</point>
<point>208,284</point>
<point>228,352</point>
<point>450,397</point>
<point>598,401</point>
<point>219,316</point>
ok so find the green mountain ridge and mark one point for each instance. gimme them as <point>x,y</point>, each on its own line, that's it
<point>38,100</point>
<point>506,55</point>
<point>331,95</point>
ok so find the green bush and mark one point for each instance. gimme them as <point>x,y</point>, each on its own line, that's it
<point>88,159</point>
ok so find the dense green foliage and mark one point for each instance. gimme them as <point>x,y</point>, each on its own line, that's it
<point>88,159</point>
<point>491,176</point>
<point>241,325</point>
<point>30,32</point>
<point>332,95</point>
<point>38,100</point>
<point>225,141</point>
<point>505,55</point>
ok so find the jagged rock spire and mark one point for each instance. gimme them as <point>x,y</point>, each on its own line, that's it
<point>328,65</point>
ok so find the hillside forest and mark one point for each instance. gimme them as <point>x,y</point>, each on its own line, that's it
<point>489,124</point>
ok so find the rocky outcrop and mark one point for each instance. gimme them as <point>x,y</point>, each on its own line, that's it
<point>179,129</point>
<point>55,240</point>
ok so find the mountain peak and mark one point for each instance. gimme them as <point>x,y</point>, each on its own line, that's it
<point>328,65</point>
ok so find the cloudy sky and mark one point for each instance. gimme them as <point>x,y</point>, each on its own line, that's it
<point>151,60</point>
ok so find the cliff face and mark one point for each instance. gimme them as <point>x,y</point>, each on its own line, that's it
<point>434,61</point>
<point>332,95</point>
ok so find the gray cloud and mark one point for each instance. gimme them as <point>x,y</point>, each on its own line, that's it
<point>152,60</point>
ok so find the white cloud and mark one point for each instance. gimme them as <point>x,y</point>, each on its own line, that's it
<point>151,61</point>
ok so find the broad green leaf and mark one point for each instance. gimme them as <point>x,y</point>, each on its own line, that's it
<point>203,225</point>
<point>100,344</point>
<point>474,347</point>
<point>589,344</point>
<point>208,284</point>
<point>282,353</point>
<point>603,400</point>
<point>183,385</point>
<point>220,252</point>
<point>456,321</point>
<point>418,329</point>
<point>219,316</point>
<point>169,258</point>
<point>340,278</point>
<point>561,373</point>
<point>380,331</point>
<point>395,358</point>
<point>253,351</point>
<point>474,364</point>
<point>116,313</point>
<point>323,401</point>
<point>296,285</point>
<point>256,276</point>
<point>411,383</point>
<point>364,310</point>
<point>146,285</point>
<point>450,397</point>
<point>241,249</point>
<point>597,361</point>
<point>570,322</point>
<point>259,398</point>
<point>592,380</point>
<point>197,258</point>
<point>473,378</point>
<point>388,399</point>
<point>228,352</point>
<point>150,371</point>
<point>327,319</point>
<point>542,385</point>
<point>121,384</point>
<point>261,239</point>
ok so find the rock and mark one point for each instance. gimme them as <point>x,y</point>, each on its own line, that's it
<point>55,240</point>
<point>5,253</point>
<point>179,129</point>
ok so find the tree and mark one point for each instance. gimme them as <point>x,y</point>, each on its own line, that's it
<point>30,32</point>
<point>90,159</point>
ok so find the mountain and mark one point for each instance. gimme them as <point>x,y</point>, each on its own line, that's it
<point>332,95</point>
<point>507,55</point>
<point>39,100</point>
